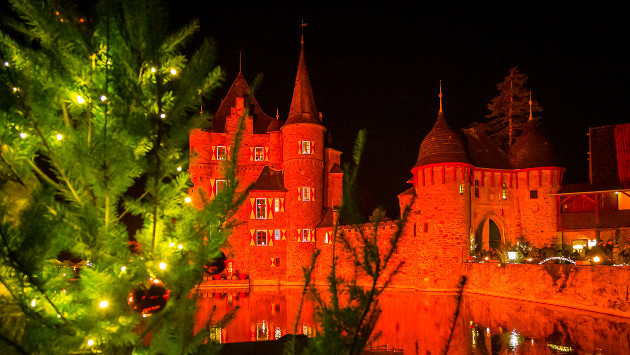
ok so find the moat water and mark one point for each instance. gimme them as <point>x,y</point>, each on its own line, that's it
<point>419,323</point>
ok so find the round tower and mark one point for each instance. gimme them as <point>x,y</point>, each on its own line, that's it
<point>303,165</point>
<point>538,176</point>
<point>441,218</point>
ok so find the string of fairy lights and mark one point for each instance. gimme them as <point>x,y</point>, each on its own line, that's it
<point>80,100</point>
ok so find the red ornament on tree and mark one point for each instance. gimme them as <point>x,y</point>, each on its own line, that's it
<point>149,297</point>
<point>216,266</point>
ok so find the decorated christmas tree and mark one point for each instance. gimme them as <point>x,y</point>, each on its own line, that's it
<point>96,104</point>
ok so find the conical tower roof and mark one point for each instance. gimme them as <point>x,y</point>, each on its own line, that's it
<point>442,144</point>
<point>303,109</point>
<point>531,149</point>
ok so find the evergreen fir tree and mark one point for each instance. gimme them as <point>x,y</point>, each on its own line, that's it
<point>95,110</point>
<point>509,111</point>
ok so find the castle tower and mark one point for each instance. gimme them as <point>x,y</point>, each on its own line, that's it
<point>303,164</point>
<point>538,176</point>
<point>441,211</point>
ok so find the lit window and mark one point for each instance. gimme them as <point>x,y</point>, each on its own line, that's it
<point>276,205</point>
<point>306,147</point>
<point>221,152</point>
<point>261,208</point>
<point>261,238</point>
<point>218,186</point>
<point>259,154</point>
<point>461,188</point>
<point>276,234</point>
<point>306,194</point>
<point>504,194</point>
<point>533,194</point>
<point>306,235</point>
<point>262,331</point>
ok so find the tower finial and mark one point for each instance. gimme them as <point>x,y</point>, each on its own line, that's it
<point>531,116</point>
<point>302,25</point>
<point>440,96</point>
<point>277,115</point>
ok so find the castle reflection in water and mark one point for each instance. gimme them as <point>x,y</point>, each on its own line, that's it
<point>419,323</point>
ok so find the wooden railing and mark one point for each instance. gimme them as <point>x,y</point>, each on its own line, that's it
<point>588,220</point>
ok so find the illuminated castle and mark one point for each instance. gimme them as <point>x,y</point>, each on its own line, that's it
<point>467,194</point>
<point>295,179</point>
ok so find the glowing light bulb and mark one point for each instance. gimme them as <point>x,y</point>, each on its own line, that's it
<point>33,303</point>
<point>6,64</point>
<point>156,281</point>
<point>23,135</point>
<point>188,199</point>
<point>179,168</point>
<point>103,304</point>
<point>180,247</point>
<point>162,115</point>
<point>14,89</point>
<point>173,71</point>
<point>90,342</point>
<point>80,99</point>
<point>123,268</point>
<point>152,70</point>
<point>162,266</point>
<point>59,136</point>
<point>171,245</point>
<point>596,259</point>
<point>58,315</point>
<point>103,97</point>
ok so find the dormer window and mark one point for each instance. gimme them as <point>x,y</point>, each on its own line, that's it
<point>221,152</point>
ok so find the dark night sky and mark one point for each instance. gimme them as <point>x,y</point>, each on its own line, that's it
<point>378,67</point>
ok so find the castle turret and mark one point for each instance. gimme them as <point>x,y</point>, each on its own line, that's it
<point>441,212</point>
<point>303,164</point>
<point>538,176</point>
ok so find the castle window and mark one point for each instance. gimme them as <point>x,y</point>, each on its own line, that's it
<point>276,234</point>
<point>221,152</point>
<point>259,154</point>
<point>533,194</point>
<point>426,227</point>
<point>261,208</point>
<point>261,238</point>
<point>461,189</point>
<point>504,194</point>
<point>218,186</point>
<point>306,235</point>
<point>476,191</point>
<point>306,147</point>
<point>306,194</point>
<point>276,205</point>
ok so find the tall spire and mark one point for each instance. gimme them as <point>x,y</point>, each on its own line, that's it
<point>440,96</point>
<point>303,109</point>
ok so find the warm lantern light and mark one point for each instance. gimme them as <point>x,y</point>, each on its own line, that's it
<point>179,168</point>
<point>152,70</point>
<point>59,136</point>
<point>23,135</point>
<point>6,64</point>
<point>486,258</point>
<point>162,115</point>
<point>14,89</point>
<point>33,303</point>
<point>512,255</point>
<point>596,259</point>
<point>90,342</point>
<point>58,315</point>
<point>123,268</point>
<point>173,71</point>
<point>592,243</point>
<point>156,281</point>
<point>162,266</point>
<point>188,199</point>
<point>80,99</point>
<point>171,245</point>
<point>103,97</point>
<point>180,247</point>
<point>103,304</point>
